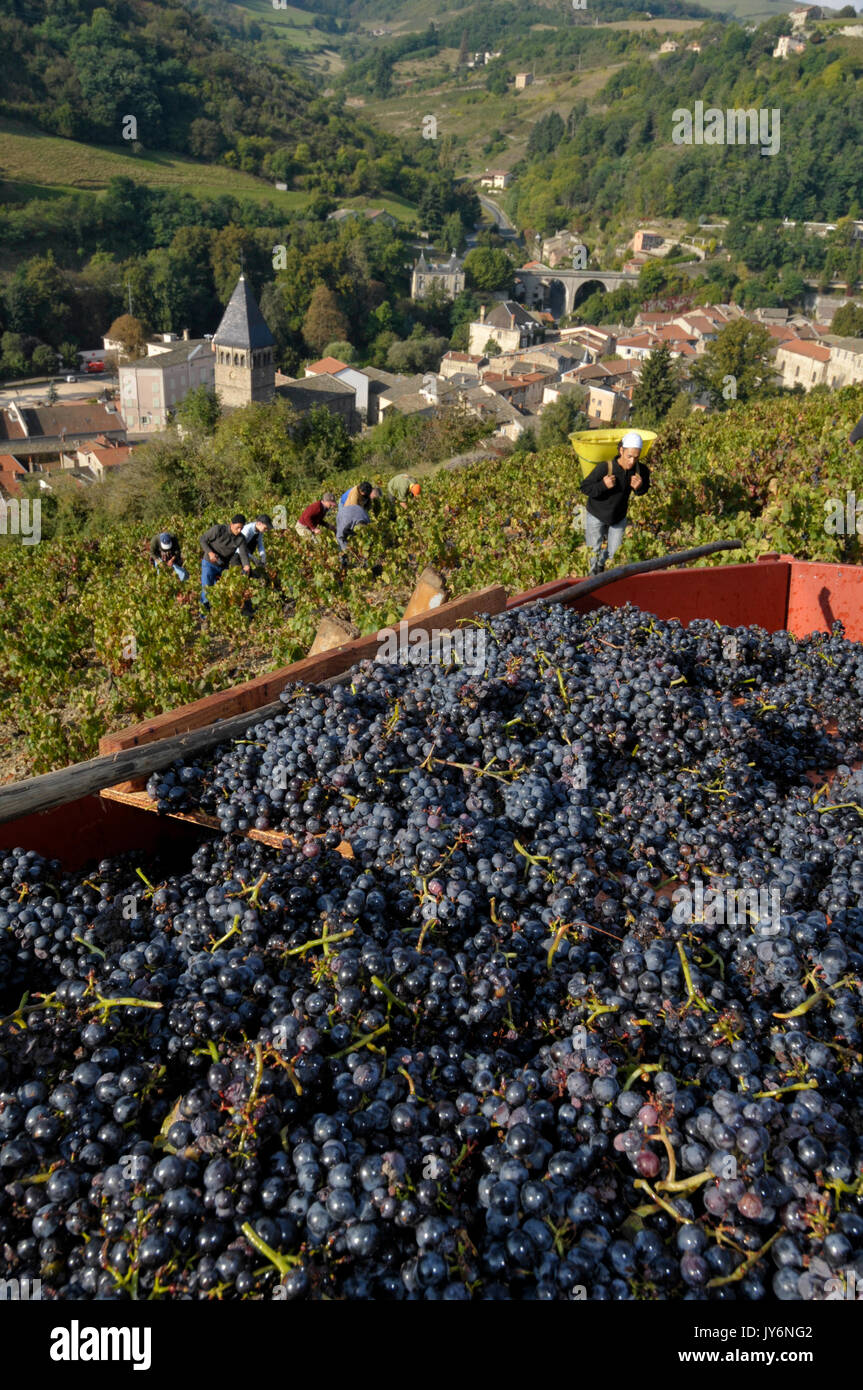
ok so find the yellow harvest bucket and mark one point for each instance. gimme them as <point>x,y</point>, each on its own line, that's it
<point>600,446</point>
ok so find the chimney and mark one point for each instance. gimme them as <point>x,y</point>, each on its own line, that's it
<point>185,335</point>
<point>482,313</point>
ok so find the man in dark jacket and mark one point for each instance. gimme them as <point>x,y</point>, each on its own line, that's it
<point>165,550</point>
<point>608,490</point>
<point>219,545</point>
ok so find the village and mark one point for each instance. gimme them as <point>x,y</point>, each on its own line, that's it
<point>523,353</point>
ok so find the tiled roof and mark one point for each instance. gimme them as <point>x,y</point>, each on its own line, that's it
<point>815,351</point>
<point>75,418</point>
<point>326,364</point>
<point>11,472</point>
<point>109,458</point>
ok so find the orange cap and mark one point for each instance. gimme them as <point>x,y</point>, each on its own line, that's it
<point>416,489</point>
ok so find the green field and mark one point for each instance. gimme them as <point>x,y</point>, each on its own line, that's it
<point>297,25</point>
<point>38,165</point>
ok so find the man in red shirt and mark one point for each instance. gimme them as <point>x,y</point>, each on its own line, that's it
<point>313,520</point>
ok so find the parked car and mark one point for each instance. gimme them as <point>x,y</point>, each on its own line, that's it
<point>71,378</point>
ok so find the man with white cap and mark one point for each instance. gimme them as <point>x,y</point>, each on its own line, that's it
<point>608,490</point>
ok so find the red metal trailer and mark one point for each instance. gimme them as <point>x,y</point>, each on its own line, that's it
<point>778,592</point>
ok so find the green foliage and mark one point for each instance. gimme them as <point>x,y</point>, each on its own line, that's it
<point>618,156</point>
<point>737,365</point>
<point>342,350</point>
<point>560,419</point>
<point>656,391</point>
<point>420,354</point>
<point>488,269</point>
<point>763,472</point>
<point>848,321</point>
<point>199,410</point>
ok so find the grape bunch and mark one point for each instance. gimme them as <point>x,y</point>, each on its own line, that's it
<point>478,1029</point>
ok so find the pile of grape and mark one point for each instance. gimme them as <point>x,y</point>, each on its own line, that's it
<point>472,1033</point>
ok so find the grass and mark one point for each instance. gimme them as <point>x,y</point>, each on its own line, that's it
<point>389,202</point>
<point>466,110</point>
<point>36,165</point>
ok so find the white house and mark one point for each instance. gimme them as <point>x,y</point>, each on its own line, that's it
<point>351,376</point>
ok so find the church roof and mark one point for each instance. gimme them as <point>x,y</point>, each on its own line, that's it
<point>243,325</point>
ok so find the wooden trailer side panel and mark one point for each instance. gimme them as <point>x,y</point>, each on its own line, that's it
<point>820,594</point>
<point>92,829</point>
<point>735,595</point>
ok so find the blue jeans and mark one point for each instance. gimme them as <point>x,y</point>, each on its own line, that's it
<point>178,570</point>
<point>210,573</point>
<point>602,538</point>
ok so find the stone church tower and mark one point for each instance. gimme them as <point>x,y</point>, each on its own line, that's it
<point>243,345</point>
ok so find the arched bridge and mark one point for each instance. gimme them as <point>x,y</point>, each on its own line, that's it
<point>555,289</point>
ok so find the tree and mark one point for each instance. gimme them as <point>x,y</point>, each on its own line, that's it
<point>681,409</point>
<point>848,321</point>
<point>487,269</point>
<point>324,320</point>
<point>44,360</point>
<point>651,279</point>
<point>417,354</point>
<point>199,411</point>
<point>131,333</point>
<point>492,348</point>
<point>526,442</point>
<point>462,51</point>
<point>655,392</point>
<point>737,365</point>
<point>560,419</point>
<point>344,351</point>
<point>13,356</point>
<point>325,443</point>
<point>497,81</point>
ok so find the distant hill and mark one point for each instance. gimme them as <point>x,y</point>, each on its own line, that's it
<point>153,74</point>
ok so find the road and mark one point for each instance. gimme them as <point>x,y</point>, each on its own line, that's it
<point>36,393</point>
<point>498,215</point>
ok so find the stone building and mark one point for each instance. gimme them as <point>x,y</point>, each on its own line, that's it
<point>448,274</point>
<point>244,367</point>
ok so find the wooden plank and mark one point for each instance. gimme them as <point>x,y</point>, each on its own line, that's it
<point>276,839</point>
<point>251,695</point>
